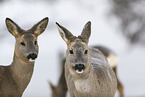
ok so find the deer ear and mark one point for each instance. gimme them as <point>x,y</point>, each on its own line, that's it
<point>64,33</point>
<point>85,35</point>
<point>38,28</point>
<point>51,86</point>
<point>12,27</point>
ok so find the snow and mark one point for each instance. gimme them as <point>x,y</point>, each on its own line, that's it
<point>72,14</point>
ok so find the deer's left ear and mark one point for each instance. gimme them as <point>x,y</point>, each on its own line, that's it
<point>38,28</point>
<point>85,35</point>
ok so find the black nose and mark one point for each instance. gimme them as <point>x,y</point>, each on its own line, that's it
<point>79,67</point>
<point>33,56</point>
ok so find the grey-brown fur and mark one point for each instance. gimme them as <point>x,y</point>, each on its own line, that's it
<point>87,74</point>
<point>15,77</point>
<point>108,52</point>
<point>104,50</point>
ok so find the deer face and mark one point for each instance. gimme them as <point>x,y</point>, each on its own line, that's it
<point>26,47</point>
<point>78,57</point>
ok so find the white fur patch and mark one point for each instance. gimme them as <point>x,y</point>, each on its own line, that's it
<point>109,75</point>
<point>82,85</point>
<point>112,59</point>
<point>31,60</point>
<point>79,71</point>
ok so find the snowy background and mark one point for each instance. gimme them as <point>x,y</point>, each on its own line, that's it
<point>72,14</point>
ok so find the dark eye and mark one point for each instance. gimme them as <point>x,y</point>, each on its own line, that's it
<point>22,43</point>
<point>71,52</point>
<point>35,42</point>
<point>86,51</point>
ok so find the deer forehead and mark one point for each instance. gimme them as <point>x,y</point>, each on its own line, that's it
<point>28,37</point>
<point>78,45</point>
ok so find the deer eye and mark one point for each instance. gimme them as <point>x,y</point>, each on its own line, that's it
<point>22,43</point>
<point>35,42</point>
<point>86,51</point>
<point>71,52</point>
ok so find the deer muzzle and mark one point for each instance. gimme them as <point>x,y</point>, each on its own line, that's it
<point>32,57</point>
<point>79,68</point>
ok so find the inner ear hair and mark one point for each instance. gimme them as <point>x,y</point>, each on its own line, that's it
<point>85,35</point>
<point>64,33</point>
<point>13,28</point>
<point>39,28</point>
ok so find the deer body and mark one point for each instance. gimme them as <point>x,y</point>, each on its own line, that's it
<point>15,77</point>
<point>87,71</point>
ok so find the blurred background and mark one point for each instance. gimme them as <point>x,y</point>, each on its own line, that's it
<point>116,24</point>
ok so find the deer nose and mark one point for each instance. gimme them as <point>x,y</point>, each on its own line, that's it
<point>79,67</point>
<point>32,56</point>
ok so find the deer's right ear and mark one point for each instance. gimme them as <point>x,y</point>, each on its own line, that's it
<point>12,27</point>
<point>86,32</point>
<point>64,33</point>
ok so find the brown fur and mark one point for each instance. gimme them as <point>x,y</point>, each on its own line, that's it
<point>97,79</point>
<point>15,77</point>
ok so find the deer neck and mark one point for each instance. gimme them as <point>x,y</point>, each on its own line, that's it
<point>82,82</point>
<point>21,72</point>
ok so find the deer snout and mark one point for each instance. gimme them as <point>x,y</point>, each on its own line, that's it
<point>79,68</point>
<point>32,57</point>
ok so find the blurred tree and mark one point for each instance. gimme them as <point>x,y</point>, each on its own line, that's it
<point>131,14</point>
<point>3,0</point>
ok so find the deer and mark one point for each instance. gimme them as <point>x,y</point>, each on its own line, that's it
<point>61,89</point>
<point>15,77</point>
<point>87,71</point>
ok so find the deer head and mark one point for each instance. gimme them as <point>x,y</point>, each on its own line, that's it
<point>26,47</point>
<point>78,58</point>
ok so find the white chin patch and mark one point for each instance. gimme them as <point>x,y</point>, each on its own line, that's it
<point>79,71</point>
<point>31,60</point>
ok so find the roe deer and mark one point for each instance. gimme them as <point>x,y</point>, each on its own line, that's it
<point>61,88</point>
<point>113,61</point>
<point>15,77</point>
<point>87,71</point>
